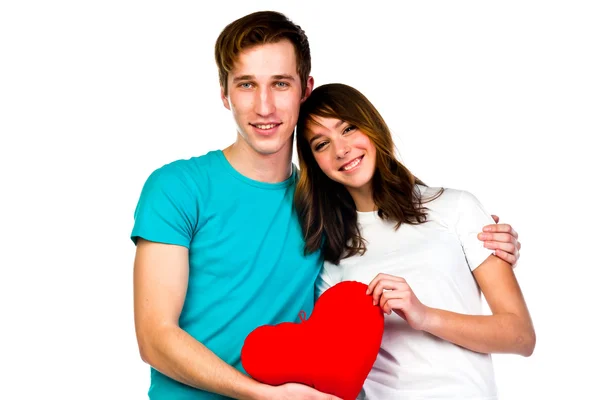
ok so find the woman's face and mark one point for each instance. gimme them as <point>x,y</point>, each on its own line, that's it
<point>343,152</point>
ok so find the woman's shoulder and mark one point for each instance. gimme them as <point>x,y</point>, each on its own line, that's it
<point>443,198</point>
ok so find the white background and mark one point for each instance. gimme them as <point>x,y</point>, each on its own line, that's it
<point>499,98</point>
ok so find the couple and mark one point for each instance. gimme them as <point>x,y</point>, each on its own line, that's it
<point>240,238</point>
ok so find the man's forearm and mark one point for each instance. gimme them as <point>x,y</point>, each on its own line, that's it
<point>175,353</point>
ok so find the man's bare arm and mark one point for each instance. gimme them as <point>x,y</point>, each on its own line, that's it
<point>160,285</point>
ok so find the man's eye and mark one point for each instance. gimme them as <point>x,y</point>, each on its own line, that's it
<point>246,85</point>
<point>282,84</point>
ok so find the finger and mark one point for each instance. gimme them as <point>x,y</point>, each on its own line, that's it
<point>509,258</point>
<point>324,396</point>
<point>508,229</point>
<point>394,305</point>
<point>507,247</point>
<point>402,290</point>
<point>499,237</point>
<point>378,278</point>
<point>372,284</point>
<point>393,299</point>
<point>377,292</point>
<point>495,218</point>
<point>385,284</point>
<point>505,228</point>
<point>386,307</point>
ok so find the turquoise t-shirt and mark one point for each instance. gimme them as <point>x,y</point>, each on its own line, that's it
<point>246,254</point>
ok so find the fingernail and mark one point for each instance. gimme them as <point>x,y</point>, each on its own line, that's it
<point>487,229</point>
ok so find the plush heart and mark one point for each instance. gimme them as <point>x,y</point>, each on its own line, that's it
<point>332,351</point>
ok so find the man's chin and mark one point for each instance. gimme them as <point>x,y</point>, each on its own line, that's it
<point>269,149</point>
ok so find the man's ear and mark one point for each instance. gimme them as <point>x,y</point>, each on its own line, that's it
<point>224,99</point>
<point>310,83</point>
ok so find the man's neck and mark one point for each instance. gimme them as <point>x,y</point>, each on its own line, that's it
<point>271,168</point>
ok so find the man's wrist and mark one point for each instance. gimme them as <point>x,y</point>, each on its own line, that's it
<point>256,391</point>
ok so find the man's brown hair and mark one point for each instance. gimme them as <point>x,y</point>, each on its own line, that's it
<point>263,27</point>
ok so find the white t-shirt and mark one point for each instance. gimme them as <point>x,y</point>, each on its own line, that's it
<point>437,259</point>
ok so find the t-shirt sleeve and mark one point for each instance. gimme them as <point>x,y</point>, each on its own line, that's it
<point>472,217</point>
<point>167,210</point>
<point>328,277</point>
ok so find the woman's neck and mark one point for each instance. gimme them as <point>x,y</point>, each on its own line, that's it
<point>363,198</point>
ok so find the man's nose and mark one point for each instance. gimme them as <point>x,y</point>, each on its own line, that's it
<point>265,104</point>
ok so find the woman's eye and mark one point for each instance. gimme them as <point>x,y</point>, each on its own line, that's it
<point>349,128</point>
<point>320,146</point>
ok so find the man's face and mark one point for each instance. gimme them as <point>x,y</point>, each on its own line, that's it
<point>264,96</point>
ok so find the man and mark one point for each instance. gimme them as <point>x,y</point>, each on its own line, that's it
<point>219,247</point>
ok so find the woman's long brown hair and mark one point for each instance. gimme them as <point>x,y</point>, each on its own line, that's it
<point>326,210</point>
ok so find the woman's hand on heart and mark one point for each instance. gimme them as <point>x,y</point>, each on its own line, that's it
<point>392,293</point>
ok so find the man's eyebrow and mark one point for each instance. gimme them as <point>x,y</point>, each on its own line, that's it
<point>283,77</point>
<point>243,78</point>
<point>279,77</point>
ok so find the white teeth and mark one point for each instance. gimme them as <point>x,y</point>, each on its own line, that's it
<point>352,164</point>
<point>265,126</point>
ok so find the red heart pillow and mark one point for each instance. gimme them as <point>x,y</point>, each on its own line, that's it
<point>332,351</point>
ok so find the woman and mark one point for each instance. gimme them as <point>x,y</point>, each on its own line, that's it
<point>416,248</point>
